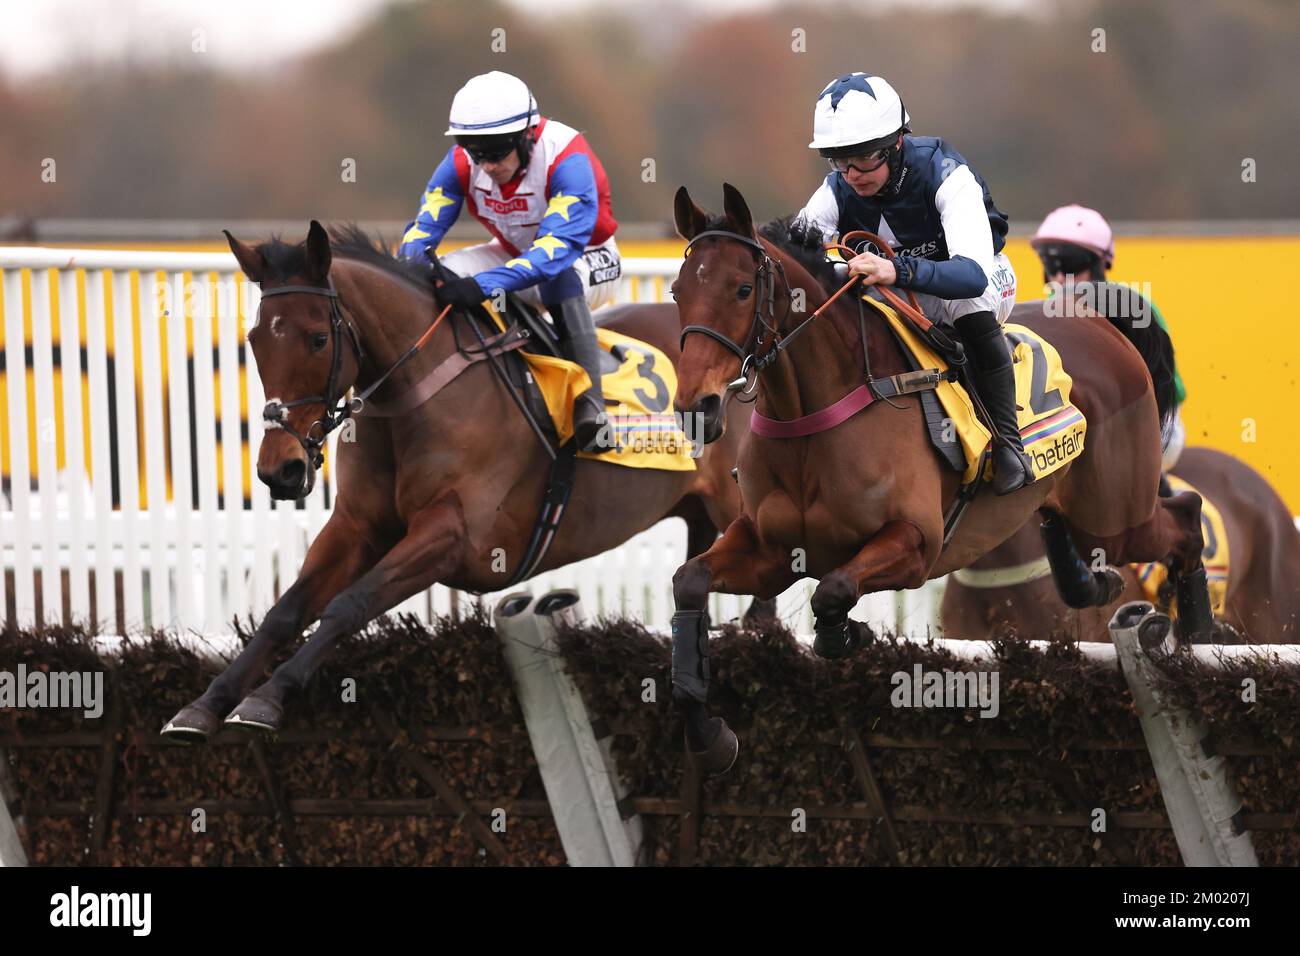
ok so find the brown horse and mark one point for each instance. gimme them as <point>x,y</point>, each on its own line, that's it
<point>436,495</point>
<point>861,505</point>
<point>1264,547</point>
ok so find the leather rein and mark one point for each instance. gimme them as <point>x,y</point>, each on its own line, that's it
<point>752,362</point>
<point>338,407</point>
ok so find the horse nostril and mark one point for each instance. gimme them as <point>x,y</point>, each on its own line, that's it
<point>291,473</point>
<point>707,406</point>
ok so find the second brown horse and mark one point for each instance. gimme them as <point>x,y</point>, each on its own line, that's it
<point>1263,605</point>
<point>861,506</point>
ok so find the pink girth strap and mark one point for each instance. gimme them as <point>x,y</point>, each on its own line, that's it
<point>819,421</point>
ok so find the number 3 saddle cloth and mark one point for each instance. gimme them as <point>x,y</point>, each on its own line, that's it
<point>638,382</point>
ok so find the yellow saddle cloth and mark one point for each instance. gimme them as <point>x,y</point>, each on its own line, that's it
<point>1215,558</point>
<point>642,385</point>
<point>1051,429</point>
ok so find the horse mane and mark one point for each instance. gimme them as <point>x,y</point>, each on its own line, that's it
<point>777,232</point>
<point>1150,339</point>
<point>350,241</point>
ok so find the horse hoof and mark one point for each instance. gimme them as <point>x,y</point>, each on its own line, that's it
<point>256,713</point>
<point>1225,633</point>
<point>194,724</point>
<point>1111,585</point>
<point>720,753</point>
<point>839,641</point>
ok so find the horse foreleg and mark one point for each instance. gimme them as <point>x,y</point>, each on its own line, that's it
<point>336,558</point>
<point>893,559</point>
<point>430,550</point>
<point>737,563</point>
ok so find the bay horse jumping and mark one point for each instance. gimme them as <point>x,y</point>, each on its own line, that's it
<point>861,505</point>
<point>427,496</point>
<point>1263,605</point>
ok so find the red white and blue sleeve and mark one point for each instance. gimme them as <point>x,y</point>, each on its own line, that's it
<point>439,207</point>
<point>564,231</point>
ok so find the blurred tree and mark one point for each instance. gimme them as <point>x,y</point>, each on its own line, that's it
<point>1156,126</point>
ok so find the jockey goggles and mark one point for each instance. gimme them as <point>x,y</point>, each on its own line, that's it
<point>865,163</point>
<point>488,149</point>
<point>1066,260</point>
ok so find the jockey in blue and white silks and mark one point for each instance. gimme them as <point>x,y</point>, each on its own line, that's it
<point>922,197</point>
<point>539,189</point>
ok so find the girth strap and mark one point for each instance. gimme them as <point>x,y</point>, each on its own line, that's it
<point>559,486</point>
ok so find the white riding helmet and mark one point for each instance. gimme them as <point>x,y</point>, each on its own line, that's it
<point>856,109</point>
<point>491,104</point>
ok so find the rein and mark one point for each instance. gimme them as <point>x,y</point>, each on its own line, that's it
<point>338,408</point>
<point>751,359</point>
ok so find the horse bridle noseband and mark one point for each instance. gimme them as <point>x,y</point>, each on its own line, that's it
<point>337,407</point>
<point>760,327</point>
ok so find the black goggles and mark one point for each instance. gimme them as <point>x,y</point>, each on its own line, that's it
<point>1066,261</point>
<point>490,151</point>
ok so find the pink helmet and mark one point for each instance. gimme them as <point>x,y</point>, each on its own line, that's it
<point>1079,226</point>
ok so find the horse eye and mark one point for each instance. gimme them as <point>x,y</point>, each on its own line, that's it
<point>744,290</point>
<point>319,341</point>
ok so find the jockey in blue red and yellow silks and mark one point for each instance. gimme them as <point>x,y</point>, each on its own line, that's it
<point>539,189</point>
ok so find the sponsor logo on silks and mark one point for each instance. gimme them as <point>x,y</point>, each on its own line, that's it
<point>923,250</point>
<point>605,266</point>
<point>502,206</point>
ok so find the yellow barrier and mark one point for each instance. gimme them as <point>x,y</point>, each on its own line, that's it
<point>1232,339</point>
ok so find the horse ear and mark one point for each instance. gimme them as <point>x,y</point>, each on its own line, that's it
<point>318,253</point>
<point>689,218</point>
<point>737,210</point>
<point>249,259</point>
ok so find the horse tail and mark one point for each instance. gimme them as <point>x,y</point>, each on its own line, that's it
<point>1135,319</point>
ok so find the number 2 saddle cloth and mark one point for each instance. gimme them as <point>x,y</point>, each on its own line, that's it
<point>638,381</point>
<point>1051,428</point>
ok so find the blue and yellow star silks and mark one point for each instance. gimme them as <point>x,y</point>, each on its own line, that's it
<point>443,194</point>
<point>434,202</point>
<point>550,244</point>
<point>562,235</point>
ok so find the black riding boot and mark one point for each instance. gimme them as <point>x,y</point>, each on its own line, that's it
<point>589,420</point>
<point>990,356</point>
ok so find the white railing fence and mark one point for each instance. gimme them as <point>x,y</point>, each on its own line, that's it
<point>126,398</point>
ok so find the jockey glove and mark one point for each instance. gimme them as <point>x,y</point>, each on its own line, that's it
<point>463,292</point>
<point>805,234</point>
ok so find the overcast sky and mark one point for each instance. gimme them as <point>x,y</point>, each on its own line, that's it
<point>38,36</point>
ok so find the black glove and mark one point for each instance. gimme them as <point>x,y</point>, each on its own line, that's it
<point>805,234</point>
<point>461,291</point>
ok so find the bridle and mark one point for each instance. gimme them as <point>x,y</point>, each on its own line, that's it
<point>765,283</point>
<point>760,328</point>
<point>337,407</point>
<point>751,362</point>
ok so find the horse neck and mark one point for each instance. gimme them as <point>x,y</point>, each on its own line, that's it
<point>389,317</point>
<point>825,362</point>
